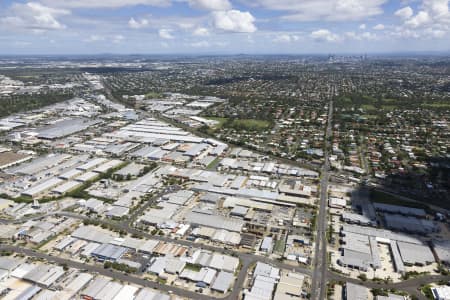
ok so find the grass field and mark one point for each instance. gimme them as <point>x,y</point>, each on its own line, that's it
<point>436,105</point>
<point>250,124</point>
<point>220,120</point>
<point>241,124</point>
<point>152,95</point>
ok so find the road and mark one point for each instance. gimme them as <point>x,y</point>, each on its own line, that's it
<point>319,278</point>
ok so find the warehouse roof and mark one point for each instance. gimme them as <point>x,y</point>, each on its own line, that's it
<point>126,293</point>
<point>94,234</point>
<point>109,291</point>
<point>404,210</point>
<point>356,292</point>
<point>9,263</point>
<point>215,221</point>
<point>109,252</point>
<point>150,294</point>
<point>42,186</point>
<point>442,249</point>
<point>65,128</point>
<point>415,253</point>
<point>45,275</point>
<point>96,286</point>
<point>223,282</point>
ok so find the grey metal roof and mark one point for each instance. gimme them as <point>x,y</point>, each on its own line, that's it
<point>223,282</point>
<point>419,212</point>
<point>29,293</point>
<point>356,292</point>
<point>414,253</point>
<point>109,251</point>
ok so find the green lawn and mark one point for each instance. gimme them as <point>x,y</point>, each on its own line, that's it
<point>241,124</point>
<point>220,120</point>
<point>250,124</point>
<point>152,95</point>
<point>368,107</point>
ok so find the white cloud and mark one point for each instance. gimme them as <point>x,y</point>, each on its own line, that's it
<point>367,36</point>
<point>431,21</point>
<point>116,39</point>
<point>210,4</point>
<point>95,38</point>
<point>166,34</point>
<point>362,26</point>
<point>201,31</point>
<point>286,38</point>
<point>137,24</point>
<point>379,27</point>
<point>418,20</point>
<point>234,21</point>
<point>103,3</point>
<point>35,16</point>
<point>324,35</point>
<point>201,44</point>
<point>405,12</point>
<point>329,10</point>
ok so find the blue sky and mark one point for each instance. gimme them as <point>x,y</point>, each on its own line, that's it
<point>223,26</point>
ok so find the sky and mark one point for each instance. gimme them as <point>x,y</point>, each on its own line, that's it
<point>223,26</point>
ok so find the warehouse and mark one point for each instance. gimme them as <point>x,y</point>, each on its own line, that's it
<point>355,292</point>
<point>148,246</point>
<point>149,294</point>
<point>42,187</point>
<point>9,263</point>
<point>88,176</point>
<point>65,242</point>
<point>223,282</point>
<point>117,212</point>
<point>398,262</point>
<point>262,288</point>
<point>126,293</point>
<point>132,169</point>
<point>120,149</point>
<point>66,187</point>
<point>410,224</point>
<point>92,164</point>
<point>403,210</point>
<point>214,221</point>
<point>103,168</point>
<point>65,127</point>
<point>45,275</point>
<point>354,218</point>
<point>94,288</point>
<point>9,159</point>
<point>70,174</point>
<point>93,234</point>
<point>109,291</point>
<point>441,292</point>
<point>442,250</point>
<point>155,216</point>
<point>239,211</point>
<point>29,293</point>
<point>108,252</point>
<point>290,286</point>
<point>224,262</point>
<point>39,164</point>
<point>414,254</point>
<point>75,285</point>
<point>93,205</point>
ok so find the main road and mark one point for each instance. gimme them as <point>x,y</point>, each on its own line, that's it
<point>319,281</point>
